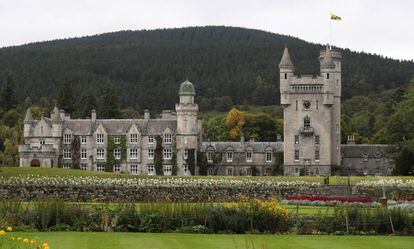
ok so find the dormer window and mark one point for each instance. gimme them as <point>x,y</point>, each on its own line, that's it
<point>229,156</point>
<point>99,138</point>
<point>167,138</point>
<point>133,138</point>
<point>67,139</point>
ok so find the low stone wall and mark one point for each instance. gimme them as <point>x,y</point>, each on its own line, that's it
<point>145,194</point>
<point>390,192</point>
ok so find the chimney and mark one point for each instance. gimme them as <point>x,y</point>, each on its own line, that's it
<point>351,139</point>
<point>251,139</point>
<point>147,115</point>
<point>242,139</point>
<point>166,114</point>
<point>62,114</point>
<point>93,115</point>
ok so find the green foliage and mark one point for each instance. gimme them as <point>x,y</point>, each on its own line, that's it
<point>75,149</point>
<point>202,163</point>
<point>226,61</point>
<point>86,104</point>
<point>278,163</point>
<point>191,161</point>
<point>109,108</point>
<point>110,157</point>
<point>65,97</point>
<point>7,95</point>
<point>158,155</point>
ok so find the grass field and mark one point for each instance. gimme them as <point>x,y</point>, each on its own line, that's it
<point>15,171</point>
<point>72,240</point>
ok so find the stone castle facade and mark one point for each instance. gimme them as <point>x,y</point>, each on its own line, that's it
<point>311,143</point>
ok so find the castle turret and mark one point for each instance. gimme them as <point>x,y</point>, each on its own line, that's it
<point>286,69</point>
<point>28,120</point>
<point>187,126</point>
<point>56,122</point>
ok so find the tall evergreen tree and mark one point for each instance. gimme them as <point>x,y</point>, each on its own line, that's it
<point>110,103</point>
<point>86,105</point>
<point>65,98</point>
<point>7,95</point>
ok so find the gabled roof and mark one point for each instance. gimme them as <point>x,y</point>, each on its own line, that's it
<point>241,147</point>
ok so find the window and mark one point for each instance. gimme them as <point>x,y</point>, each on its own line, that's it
<point>317,171</point>
<point>306,123</point>
<point>296,139</point>
<point>83,139</point>
<point>285,76</point>
<point>185,153</point>
<point>100,153</point>
<point>84,155</point>
<point>83,167</point>
<point>186,171</point>
<point>117,154</point>
<point>337,129</point>
<point>210,157</point>
<point>269,157</point>
<point>317,139</point>
<point>229,156</point>
<point>117,140</point>
<point>167,138</point>
<point>134,169</point>
<point>296,170</point>
<point>151,140</point>
<point>317,104</point>
<point>327,76</point>
<point>210,171</point>
<point>67,166</point>
<point>168,153</point>
<point>229,171</point>
<point>150,153</point>
<point>296,105</point>
<point>67,154</point>
<point>117,168</point>
<point>248,172</point>
<point>133,153</point>
<point>167,170</point>
<point>317,155</point>
<point>249,156</point>
<point>42,141</point>
<point>133,138</point>
<point>151,169</point>
<point>100,167</point>
<point>67,139</point>
<point>99,138</point>
<point>296,155</point>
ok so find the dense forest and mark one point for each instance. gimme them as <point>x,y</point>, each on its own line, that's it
<point>229,66</point>
<point>122,73</point>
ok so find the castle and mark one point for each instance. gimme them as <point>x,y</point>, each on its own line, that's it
<point>311,146</point>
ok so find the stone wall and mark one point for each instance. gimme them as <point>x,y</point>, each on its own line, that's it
<point>145,194</point>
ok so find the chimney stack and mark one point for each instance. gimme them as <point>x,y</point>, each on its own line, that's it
<point>147,115</point>
<point>93,115</point>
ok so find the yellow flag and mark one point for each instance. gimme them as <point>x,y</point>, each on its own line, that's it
<point>335,17</point>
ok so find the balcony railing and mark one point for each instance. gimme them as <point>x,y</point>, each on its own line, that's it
<point>307,131</point>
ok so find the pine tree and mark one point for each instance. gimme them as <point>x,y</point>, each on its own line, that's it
<point>110,103</point>
<point>65,98</point>
<point>86,105</point>
<point>7,96</point>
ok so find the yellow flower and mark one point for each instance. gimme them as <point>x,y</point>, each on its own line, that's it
<point>12,238</point>
<point>46,246</point>
<point>25,240</point>
<point>33,242</point>
<point>2,232</point>
<point>19,238</point>
<point>9,229</point>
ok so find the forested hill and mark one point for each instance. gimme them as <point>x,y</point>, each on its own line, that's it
<point>227,65</point>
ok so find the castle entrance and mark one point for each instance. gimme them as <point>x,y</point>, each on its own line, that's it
<point>35,163</point>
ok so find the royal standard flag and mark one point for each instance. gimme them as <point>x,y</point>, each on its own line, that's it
<point>335,17</point>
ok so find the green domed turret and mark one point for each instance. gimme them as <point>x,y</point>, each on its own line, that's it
<point>187,88</point>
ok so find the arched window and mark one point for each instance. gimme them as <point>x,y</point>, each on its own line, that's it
<point>327,76</point>
<point>306,123</point>
<point>285,75</point>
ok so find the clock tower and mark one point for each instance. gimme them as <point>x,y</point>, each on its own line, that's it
<point>312,111</point>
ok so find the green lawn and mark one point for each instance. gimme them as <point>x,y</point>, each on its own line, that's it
<point>72,240</point>
<point>15,171</point>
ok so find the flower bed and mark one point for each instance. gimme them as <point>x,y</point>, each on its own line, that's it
<point>330,201</point>
<point>394,188</point>
<point>88,188</point>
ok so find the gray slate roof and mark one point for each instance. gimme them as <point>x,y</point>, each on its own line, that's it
<point>359,150</point>
<point>242,146</point>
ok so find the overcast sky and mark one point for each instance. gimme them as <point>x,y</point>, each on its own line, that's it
<point>375,26</point>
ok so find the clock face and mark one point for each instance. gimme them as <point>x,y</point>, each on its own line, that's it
<point>306,104</point>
